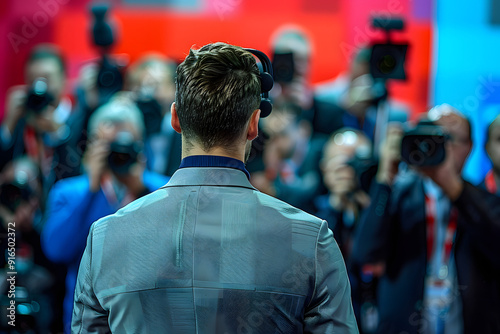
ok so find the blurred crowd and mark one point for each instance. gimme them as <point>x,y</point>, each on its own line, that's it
<point>421,253</point>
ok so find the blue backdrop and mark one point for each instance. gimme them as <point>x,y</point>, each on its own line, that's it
<point>466,69</point>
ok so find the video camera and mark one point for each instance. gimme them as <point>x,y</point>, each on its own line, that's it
<point>283,67</point>
<point>109,77</point>
<point>424,145</point>
<point>387,59</point>
<point>151,110</point>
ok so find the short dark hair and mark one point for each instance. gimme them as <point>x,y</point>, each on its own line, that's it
<point>47,51</point>
<point>218,88</point>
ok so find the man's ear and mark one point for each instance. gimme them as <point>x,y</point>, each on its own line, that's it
<point>175,119</point>
<point>253,125</point>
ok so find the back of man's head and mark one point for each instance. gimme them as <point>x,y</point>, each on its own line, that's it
<point>218,88</point>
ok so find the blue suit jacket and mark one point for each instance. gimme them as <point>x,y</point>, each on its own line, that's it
<point>71,210</point>
<point>209,253</point>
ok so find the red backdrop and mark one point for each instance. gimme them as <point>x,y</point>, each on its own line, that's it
<point>336,28</point>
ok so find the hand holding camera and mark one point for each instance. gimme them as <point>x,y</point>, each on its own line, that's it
<point>118,152</point>
<point>15,107</point>
<point>342,181</point>
<point>390,155</point>
<point>33,102</point>
<point>445,175</point>
<point>95,157</point>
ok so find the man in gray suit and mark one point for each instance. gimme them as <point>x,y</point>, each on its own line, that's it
<point>208,253</point>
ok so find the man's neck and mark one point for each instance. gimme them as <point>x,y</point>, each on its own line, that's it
<point>218,151</point>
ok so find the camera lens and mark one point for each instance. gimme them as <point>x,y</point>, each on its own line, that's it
<point>424,147</point>
<point>39,87</point>
<point>387,64</point>
<point>119,159</point>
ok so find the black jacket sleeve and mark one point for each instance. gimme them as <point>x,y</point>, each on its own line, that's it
<point>373,233</point>
<point>479,213</point>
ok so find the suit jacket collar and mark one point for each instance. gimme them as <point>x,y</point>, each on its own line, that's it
<point>209,176</point>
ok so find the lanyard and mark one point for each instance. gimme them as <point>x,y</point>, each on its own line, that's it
<point>431,214</point>
<point>490,183</point>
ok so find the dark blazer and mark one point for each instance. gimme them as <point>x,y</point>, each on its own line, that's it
<point>393,230</point>
<point>209,253</point>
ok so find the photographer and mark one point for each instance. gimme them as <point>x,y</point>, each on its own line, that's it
<point>291,159</point>
<point>344,156</point>
<point>433,240</point>
<point>39,120</point>
<point>152,81</point>
<point>492,147</point>
<point>38,281</point>
<point>115,176</point>
<point>355,96</point>
<point>345,199</point>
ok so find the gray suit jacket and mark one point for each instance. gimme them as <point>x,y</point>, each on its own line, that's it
<point>208,253</point>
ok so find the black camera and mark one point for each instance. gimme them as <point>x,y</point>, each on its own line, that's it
<point>124,151</point>
<point>13,194</point>
<point>151,110</point>
<point>424,145</point>
<point>283,67</point>
<point>16,191</point>
<point>38,97</point>
<point>364,166</point>
<point>109,77</point>
<point>387,59</point>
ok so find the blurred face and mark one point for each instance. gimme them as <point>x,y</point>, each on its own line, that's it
<point>155,79</point>
<point>50,70</point>
<point>108,131</point>
<point>458,129</point>
<point>115,145</point>
<point>301,54</point>
<point>338,175</point>
<point>493,147</point>
<point>335,168</point>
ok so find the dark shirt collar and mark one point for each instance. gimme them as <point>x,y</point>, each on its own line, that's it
<point>213,161</point>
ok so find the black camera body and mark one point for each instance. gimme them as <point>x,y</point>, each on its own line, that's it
<point>424,145</point>
<point>283,67</point>
<point>124,152</point>
<point>151,110</point>
<point>387,60</point>
<point>109,76</point>
<point>38,96</point>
